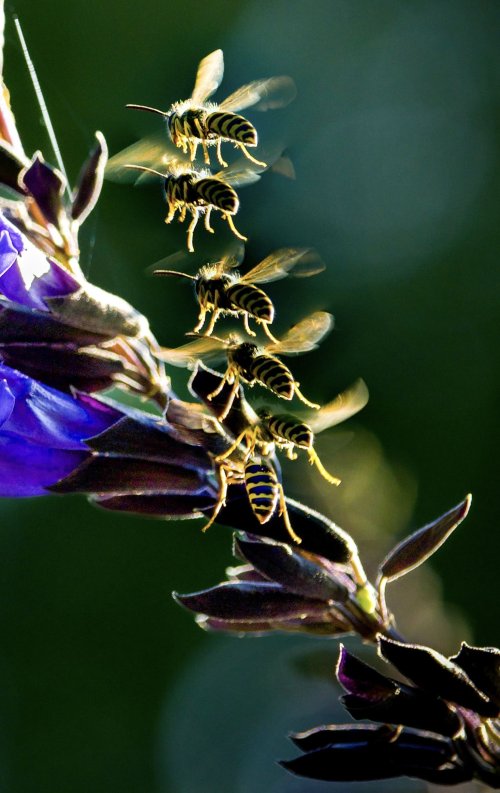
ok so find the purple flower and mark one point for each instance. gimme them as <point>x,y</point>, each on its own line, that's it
<point>54,442</point>
<point>27,275</point>
<point>289,588</point>
<point>42,433</point>
<point>442,727</point>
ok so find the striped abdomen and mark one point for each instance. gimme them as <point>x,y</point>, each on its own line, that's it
<point>251,299</point>
<point>272,373</point>
<point>286,428</point>
<point>232,127</point>
<point>219,194</point>
<point>261,485</point>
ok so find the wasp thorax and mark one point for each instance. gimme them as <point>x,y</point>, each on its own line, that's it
<point>243,354</point>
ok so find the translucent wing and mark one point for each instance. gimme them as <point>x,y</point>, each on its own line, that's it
<point>155,151</point>
<point>345,405</point>
<point>188,354</point>
<point>303,262</point>
<point>239,174</point>
<point>261,95</point>
<point>305,335</point>
<point>208,77</point>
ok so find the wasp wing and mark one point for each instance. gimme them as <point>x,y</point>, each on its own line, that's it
<point>345,405</point>
<point>238,174</point>
<point>151,152</point>
<point>188,354</point>
<point>303,262</point>
<point>208,77</point>
<point>261,95</point>
<point>305,335</point>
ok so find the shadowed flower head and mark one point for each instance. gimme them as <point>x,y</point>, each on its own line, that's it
<point>58,327</point>
<point>442,727</point>
<point>288,588</point>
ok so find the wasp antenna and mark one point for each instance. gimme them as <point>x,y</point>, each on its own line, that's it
<point>149,109</point>
<point>41,102</point>
<point>174,272</point>
<point>143,168</point>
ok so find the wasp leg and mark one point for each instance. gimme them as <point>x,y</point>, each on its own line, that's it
<point>221,500</point>
<point>268,333</point>
<point>234,446</point>
<point>219,153</point>
<point>228,378</point>
<point>314,460</point>
<point>283,512</point>
<point>182,214</point>
<point>191,229</point>
<point>233,228</point>
<point>230,399</point>
<point>193,147</point>
<point>247,326</point>
<point>207,220</point>
<point>171,213</point>
<point>213,320</point>
<point>203,141</point>
<point>290,453</point>
<point>303,399</point>
<point>201,319</point>
<point>249,156</point>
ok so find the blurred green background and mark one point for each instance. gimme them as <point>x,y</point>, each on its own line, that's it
<point>105,684</point>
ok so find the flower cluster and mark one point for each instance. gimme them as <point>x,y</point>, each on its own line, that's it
<point>443,727</point>
<point>64,340</point>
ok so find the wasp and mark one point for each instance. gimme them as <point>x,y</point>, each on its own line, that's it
<point>195,121</point>
<point>249,363</point>
<point>198,192</point>
<point>220,289</point>
<point>267,431</point>
<point>263,488</point>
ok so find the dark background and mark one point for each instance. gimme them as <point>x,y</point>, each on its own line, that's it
<point>105,684</point>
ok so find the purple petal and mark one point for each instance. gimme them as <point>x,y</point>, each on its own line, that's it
<point>436,674</point>
<point>149,439</point>
<point>363,754</point>
<point>48,417</point>
<point>179,507</point>
<point>27,276</point>
<point>123,475</point>
<point>90,181</point>
<point>27,469</point>
<point>482,664</point>
<point>416,549</point>
<point>46,185</point>
<point>250,601</point>
<point>296,572</point>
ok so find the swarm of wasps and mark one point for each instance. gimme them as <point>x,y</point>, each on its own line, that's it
<point>251,438</point>
<point>188,189</point>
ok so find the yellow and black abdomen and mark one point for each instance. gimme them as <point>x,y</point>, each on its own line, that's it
<point>262,488</point>
<point>218,194</point>
<point>231,127</point>
<point>252,300</point>
<point>288,429</point>
<point>273,374</point>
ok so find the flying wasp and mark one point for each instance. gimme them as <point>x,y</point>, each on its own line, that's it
<point>269,431</point>
<point>196,121</point>
<point>249,363</point>
<point>196,192</point>
<point>220,289</point>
